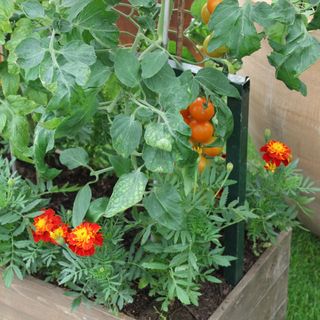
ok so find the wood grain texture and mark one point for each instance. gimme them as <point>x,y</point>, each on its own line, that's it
<point>281,313</point>
<point>254,292</point>
<point>292,118</point>
<point>262,291</point>
<point>32,299</point>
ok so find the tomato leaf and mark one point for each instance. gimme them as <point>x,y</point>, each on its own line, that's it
<point>164,205</point>
<point>74,157</point>
<point>21,105</point>
<point>97,21</point>
<point>214,81</point>
<point>120,165</point>
<point>96,209</point>
<point>127,192</point>
<point>33,9</point>
<point>127,66</point>
<point>10,82</point>
<point>233,27</point>
<point>6,11</point>
<point>81,205</point>
<point>153,62</point>
<point>78,51</point>
<point>157,160</point>
<point>30,53</point>
<point>98,76</point>
<point>299,53</point>
<point>19,132</point>
<point>163,80</point>
<point>126,134</point>
<point>157,135</point>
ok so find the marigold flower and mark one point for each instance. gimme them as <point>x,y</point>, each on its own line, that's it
<point>83,239</point>
<point>59,234</point>
<point>270,166</point>
<point>276,152</point>
<point>44,224</point>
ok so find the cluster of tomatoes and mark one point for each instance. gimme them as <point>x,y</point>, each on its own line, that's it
<point>206,11</point>
<point>198,116</point>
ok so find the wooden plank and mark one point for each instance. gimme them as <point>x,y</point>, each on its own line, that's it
<point>8,313</point>
<point>35,299</point>
<point>276,296</point>
<point>281,313</point>
<point>256,282</point>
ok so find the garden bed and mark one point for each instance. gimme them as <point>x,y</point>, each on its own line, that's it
<point>261,294</point>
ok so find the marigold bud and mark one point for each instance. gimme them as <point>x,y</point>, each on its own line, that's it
<point>229,167</point>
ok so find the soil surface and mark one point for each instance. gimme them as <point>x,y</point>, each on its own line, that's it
<point>143,307</point>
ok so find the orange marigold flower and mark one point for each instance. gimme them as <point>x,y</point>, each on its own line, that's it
<point>44,224</point>
<point>59,234</point>
<point>270,166</point>
<point>276,152</point>
<point>83,239</point>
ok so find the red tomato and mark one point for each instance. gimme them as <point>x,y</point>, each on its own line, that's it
<point>201,110</point>
<point>201,132</point>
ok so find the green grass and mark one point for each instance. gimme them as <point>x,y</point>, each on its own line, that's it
<point>304,277</point>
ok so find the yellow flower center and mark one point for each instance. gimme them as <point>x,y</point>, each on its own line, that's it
<point>82,235</point>
<point>271,167</point>
<point>57,233</point>
<point>277,147</point>
<point>41,224</point>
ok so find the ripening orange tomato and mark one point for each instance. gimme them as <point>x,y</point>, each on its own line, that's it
<point>205,14</point>
<point>202,164</point>
<point>212,151</point>
<point>201,110</point>
<point>201,132</point>
<point>217,53</point>
<point>212,4</point>
<point>186,116</point>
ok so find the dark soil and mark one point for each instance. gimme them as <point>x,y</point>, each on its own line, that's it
<point>146,308</point>
<point>143,307</point>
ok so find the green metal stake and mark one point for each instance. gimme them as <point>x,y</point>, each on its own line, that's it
<point>237,155</point>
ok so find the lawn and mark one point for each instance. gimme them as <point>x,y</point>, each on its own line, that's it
<point>304,277</point>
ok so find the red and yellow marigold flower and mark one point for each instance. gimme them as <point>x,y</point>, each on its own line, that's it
<point>270,166</point>
<point>83,239</point>
<point>59,234</point>
<point>275,153</point>
<point>44,224</point>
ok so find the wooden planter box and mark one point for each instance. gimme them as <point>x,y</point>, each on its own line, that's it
<point>260,295</point>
